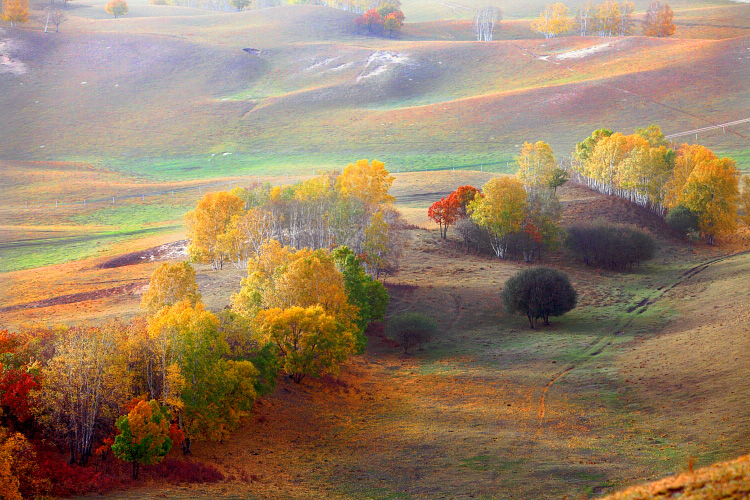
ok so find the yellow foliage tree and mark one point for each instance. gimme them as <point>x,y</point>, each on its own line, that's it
<point>367,181</point>
<point>712,192</point>
<point>310,341</point>
<point>85,382</point>
<point>15,11</point>
<point>554,20</point>
<point>245,234</point>
<point>688,156</point>
<point>745,201</point>
<point>535,165</point>
<point>169,284</point>
<point>500,210</point>
<point>207,222</point>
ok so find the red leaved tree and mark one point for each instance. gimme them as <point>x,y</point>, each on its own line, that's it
<point>445,212</point>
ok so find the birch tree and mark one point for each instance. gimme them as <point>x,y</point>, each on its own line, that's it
<point>484,22</point>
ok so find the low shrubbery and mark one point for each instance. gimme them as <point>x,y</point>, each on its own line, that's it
<point>610,246</point>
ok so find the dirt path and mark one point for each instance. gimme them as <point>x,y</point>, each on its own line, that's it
<point>597,347</point>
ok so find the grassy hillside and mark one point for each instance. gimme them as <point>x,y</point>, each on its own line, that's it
<point>156,96</point>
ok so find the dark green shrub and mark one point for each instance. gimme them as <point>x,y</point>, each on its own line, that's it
<point>611,246</point>
<point>411,329</point>
<point>683,220</point>
<point>539,292</point>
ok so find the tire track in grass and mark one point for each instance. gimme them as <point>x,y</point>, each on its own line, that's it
<point>597,347</point>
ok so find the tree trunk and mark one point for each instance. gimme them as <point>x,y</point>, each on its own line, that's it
<point>135,469</point>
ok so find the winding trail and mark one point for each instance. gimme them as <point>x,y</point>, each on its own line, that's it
<point>602,342</point>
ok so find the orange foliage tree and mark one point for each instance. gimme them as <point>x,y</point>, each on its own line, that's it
<point>658,20</point>
<point>445,212</point>
<point>144,435</point>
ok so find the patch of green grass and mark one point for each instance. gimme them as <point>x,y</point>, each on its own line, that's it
<point>133,215</point>
<point>41,252</point>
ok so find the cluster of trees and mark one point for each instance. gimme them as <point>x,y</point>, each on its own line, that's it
<point>485,21</point>
<point>609,18</point>
<point>181,373</point>
<point>644,169</point>
<point>350,208</point>
<point>510,215</point>
<point>611,246</point>
<point>386,17</point>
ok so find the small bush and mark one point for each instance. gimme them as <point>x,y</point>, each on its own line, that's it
<point>411,329</point>
<point>683,220</point>
<point>539,292</point>
<point>610,246</point>
<point>159,2</point>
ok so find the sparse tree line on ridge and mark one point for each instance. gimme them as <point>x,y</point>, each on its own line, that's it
<point>605,19</point>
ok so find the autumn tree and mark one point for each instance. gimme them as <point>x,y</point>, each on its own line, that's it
<point>116,8</point>
<point>445,212</point>
<point>371,19</point>
<point>16,456</point>
<point>500,210</point>
<point>85,382</point>
<point>245,234</point>
<point>144,435</point>
<point>15,11</point>
<point>465,195</point>
<point>607,18</point>
<point>553,21</point>
<point>209,393</point>
<point>712,192</point>
<point>485,21</point>
<point>627,9</point>
<point>585,18</point>
<point>367,181</point>
<point>744,201</point>
<point>207,222</point>
<point>539,293</point>
<point>658,20</point>
<point>393,22</point>
<point>540,226</point>
<point>311,342</point>
<point>535,165</point>
<point>169,284</point>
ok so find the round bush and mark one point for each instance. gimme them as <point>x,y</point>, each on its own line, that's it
<point>539,292</point>
<point>411,329</point>
<point>611,246</point>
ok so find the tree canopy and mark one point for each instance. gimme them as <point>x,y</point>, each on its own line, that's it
<point>539,293</point>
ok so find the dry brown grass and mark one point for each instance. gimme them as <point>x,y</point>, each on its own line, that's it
<point>722,481</point>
